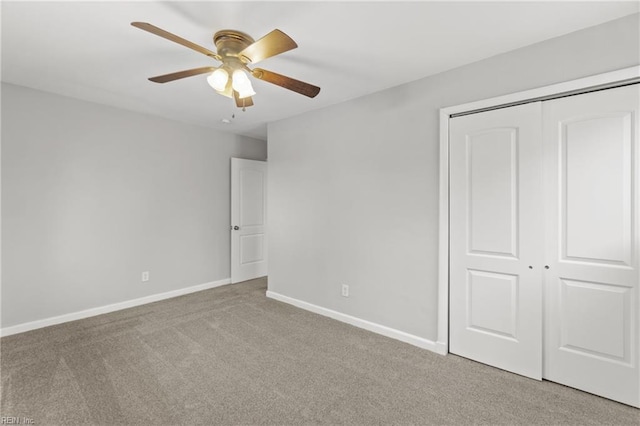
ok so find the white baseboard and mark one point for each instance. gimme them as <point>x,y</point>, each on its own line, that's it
<point>411,339</point>
<point>442,348</point>
<point>21,328</point>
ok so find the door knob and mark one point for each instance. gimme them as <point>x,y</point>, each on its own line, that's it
<point>546,266</point>
<point>235,228</point>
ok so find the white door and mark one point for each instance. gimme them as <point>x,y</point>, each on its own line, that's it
<point>248,219</point>
<point>592,225</point>
<point>495,239</point>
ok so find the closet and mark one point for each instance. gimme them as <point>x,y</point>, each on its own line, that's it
<point>544,229</point>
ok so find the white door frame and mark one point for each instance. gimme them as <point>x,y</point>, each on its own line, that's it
<point>582,84</point>
<point>240,270</point>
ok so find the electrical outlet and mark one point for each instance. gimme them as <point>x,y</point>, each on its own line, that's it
<point>345,290</point>
<point>145,276</point>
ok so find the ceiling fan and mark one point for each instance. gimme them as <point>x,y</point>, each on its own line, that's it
<point>236,51</point>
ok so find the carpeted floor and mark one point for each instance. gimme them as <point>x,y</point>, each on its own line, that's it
<point>231,356</point>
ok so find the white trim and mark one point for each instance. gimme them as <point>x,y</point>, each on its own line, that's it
<point>21,328</point>
<point>568,86</point>
<point>360,323</point>
<point>443,233</point>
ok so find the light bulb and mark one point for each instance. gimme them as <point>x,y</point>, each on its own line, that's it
<point>241,84</point>
<point>218,79</point>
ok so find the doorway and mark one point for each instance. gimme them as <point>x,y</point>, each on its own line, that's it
<point>249,254</point>
<point>543,280</point>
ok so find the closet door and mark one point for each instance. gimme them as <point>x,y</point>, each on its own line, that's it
<point>496,238</point>
<point>592,227</point>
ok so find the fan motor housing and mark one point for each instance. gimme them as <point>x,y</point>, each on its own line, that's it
<point>231,42</point>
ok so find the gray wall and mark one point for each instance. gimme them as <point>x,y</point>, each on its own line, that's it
<point>93,195</point>
<point>354,188</point>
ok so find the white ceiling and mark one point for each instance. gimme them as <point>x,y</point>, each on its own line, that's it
<point>88,50</point>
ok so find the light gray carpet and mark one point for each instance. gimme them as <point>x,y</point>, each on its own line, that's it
<point>231,356</point>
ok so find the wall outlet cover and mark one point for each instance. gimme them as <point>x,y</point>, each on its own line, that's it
<point>345,290</point>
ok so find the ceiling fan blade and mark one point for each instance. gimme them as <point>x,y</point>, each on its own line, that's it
<point>181,74</point>
<point>274,43</point>
<point>287,82</point>
<point>165,34</point>
<point>244,102</point>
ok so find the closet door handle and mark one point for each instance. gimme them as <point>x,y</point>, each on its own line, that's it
<point>546,266</point>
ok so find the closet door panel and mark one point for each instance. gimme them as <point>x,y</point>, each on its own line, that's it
<point>495,236</point>
<point>595,188</point>
<point>592,222</point>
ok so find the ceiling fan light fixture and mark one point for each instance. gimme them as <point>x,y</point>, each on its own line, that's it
<point>241,84</point>
<point>235,50</point>
<point>218,79</point>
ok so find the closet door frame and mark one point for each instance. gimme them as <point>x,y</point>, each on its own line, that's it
<point>587,84</point>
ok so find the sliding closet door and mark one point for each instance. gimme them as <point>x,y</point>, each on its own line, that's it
<point>495,238</point>
<point>592,225</point>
